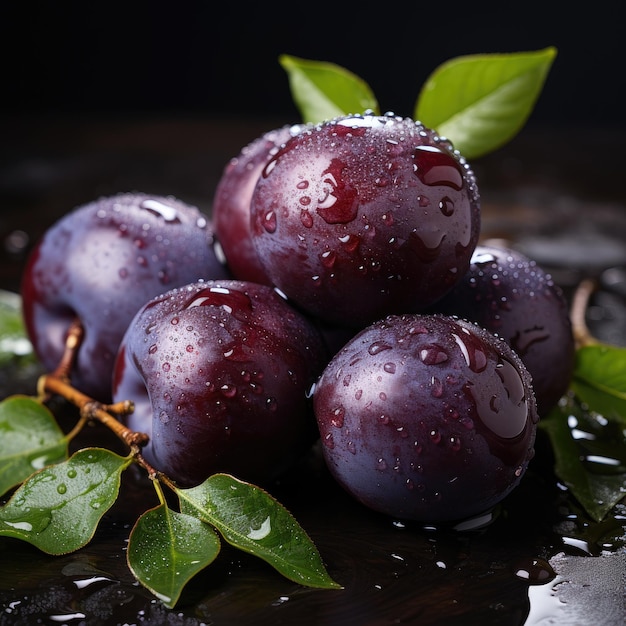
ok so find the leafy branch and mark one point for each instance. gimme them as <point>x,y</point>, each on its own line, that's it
<point>58,507</point>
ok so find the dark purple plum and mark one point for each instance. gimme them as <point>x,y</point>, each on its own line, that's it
<point>231,203</point>
<point>100,263</point>
<point>364,216</point>
<point>426,417</point>
<point>510,295</point>
<point>220,373</point>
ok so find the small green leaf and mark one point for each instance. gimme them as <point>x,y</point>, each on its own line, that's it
<point>58,508</point>
<point>251,520</point>
<point>322,91</point>
<point>600,379</point>
<point>480,102</point>
<point>166,549</point>
<point>576,441</point>
<point>30,439</point>
<point>14,342</point>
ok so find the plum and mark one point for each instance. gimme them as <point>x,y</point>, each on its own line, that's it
<point>426,417</point>
<point>364,216</point>
<point>510,295</point>
<point>99,264</point>
<point>219,372</point>
<point>231,203</point>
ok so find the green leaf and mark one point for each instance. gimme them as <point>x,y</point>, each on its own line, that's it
<point>14,341</point>
<point>251,520</point>
<point>58,508</point>
<point>480,102</point>
<point>576,440</point>
<point>166,549</point>
<point>599,379</point>
<point>30,439</point>
<point>322,91</point>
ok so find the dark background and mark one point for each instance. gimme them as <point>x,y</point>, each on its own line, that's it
<point>220,59</point>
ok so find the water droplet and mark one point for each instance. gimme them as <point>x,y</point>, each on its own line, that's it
<point>535,571</point>
<point>446,206</point>
<point>474,356</point>
<point>338,416</point>
<point>71,473</point>
<point>454,443</point>
<point>61,488</point>
<point>166,367</point>
<point>434,167</point>
<point>377,347</point>
<point>436,387</point>
<point>338,200</point>
<point>228,299</point>
<point>328,258</point>
<point>168,213</point>
<point>433,355</point>
<point>305,217</point>
<point>269,222</point>
<point>228,391</point>
<point>506,418</point>
<point>435,435</point>
<point>390,367</point>
<point>123,273</point>
<point>381,464</point>
<point>427,246</point>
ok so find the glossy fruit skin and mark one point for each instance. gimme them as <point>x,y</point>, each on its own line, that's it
<point>426,417</point>
<point>231,203</point>
<point>219,372</point>
<point>511,296</point>
<point>101,262</point>
<point>363,216</point>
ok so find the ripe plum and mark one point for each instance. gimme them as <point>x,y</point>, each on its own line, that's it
<point>364,216</point>
<point>510,295</point>
<point>100,263</point>
<point>219,372</point>
<point>426,417</point>
<point>231,203</point>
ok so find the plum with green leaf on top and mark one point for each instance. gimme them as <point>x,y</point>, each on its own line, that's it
<point>365,215</point>
<point>219,372</point>
<point>99,264</point>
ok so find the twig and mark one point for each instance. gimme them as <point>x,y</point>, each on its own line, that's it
<point>578,313</point>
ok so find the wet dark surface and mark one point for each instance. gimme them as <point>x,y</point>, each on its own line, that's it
<point>537,559</point>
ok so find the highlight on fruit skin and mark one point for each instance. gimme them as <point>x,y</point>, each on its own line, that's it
<point>426,417</point>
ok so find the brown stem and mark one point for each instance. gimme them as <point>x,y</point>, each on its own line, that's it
<point>578,311</point>
<point>91,409</point>
<point>73,340</point>
<point>58,382</point>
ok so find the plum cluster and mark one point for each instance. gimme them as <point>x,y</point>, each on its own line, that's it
<point>339,293</point>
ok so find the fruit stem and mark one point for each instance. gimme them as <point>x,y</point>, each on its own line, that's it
<point>578,310</point>
<point>58,382</point>
<point>73,340</point>
<point>91,409</point>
